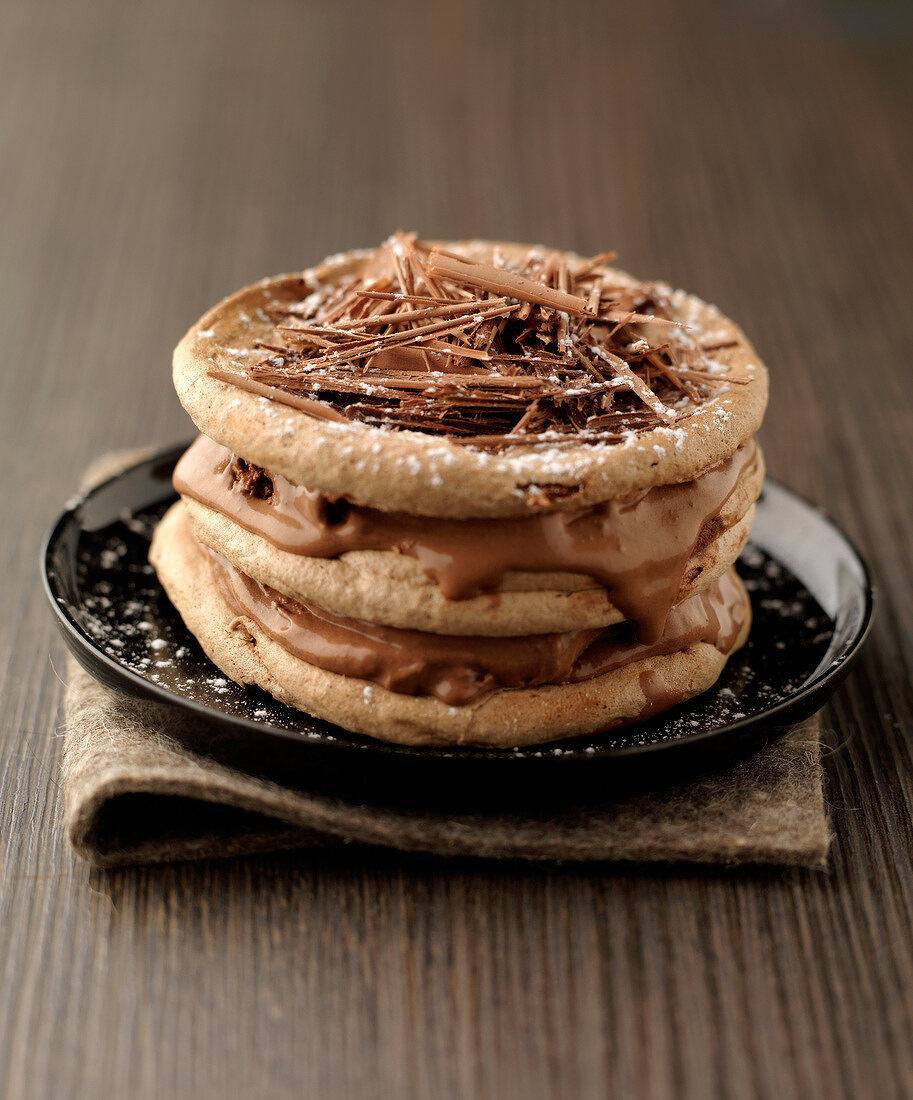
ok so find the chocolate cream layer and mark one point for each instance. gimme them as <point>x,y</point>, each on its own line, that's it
<point>637,547</point>
<point>457,670</point>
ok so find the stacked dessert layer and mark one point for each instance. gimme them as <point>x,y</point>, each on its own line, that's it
<point>473,495</point>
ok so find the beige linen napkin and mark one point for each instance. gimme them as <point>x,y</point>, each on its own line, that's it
<point>134,794</point>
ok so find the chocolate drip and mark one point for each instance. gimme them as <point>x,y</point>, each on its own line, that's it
<point>638,547</point>
<point>457,670</point>
<point>658,695</point>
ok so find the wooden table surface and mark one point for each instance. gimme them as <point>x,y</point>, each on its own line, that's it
<point>156,156</point>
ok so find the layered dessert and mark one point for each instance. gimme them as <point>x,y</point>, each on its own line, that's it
<point>470,493</point>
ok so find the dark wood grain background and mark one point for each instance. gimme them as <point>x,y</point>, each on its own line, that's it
<point>153,157</point>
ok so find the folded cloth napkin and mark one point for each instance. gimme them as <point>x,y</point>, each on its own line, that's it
<point>135,794</point>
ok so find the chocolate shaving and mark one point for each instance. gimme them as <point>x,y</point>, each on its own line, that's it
<point>542,351</point>
<point>502,281</point>
<point>275,393</point>
<point>252,480</point>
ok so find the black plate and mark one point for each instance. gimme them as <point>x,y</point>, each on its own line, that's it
<point>810,590</point>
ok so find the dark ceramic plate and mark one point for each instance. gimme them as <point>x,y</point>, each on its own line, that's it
<point>810,591</point>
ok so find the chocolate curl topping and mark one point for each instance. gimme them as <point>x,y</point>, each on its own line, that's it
<point>499,281</point>
<point>491,355</point>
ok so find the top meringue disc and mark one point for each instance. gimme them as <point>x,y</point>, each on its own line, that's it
<point>471,379</point>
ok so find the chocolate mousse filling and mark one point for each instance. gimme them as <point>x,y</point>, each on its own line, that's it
<point>458,670</point>
<point>637,547</point>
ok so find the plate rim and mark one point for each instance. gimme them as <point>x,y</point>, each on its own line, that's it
<point>820,682</point>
